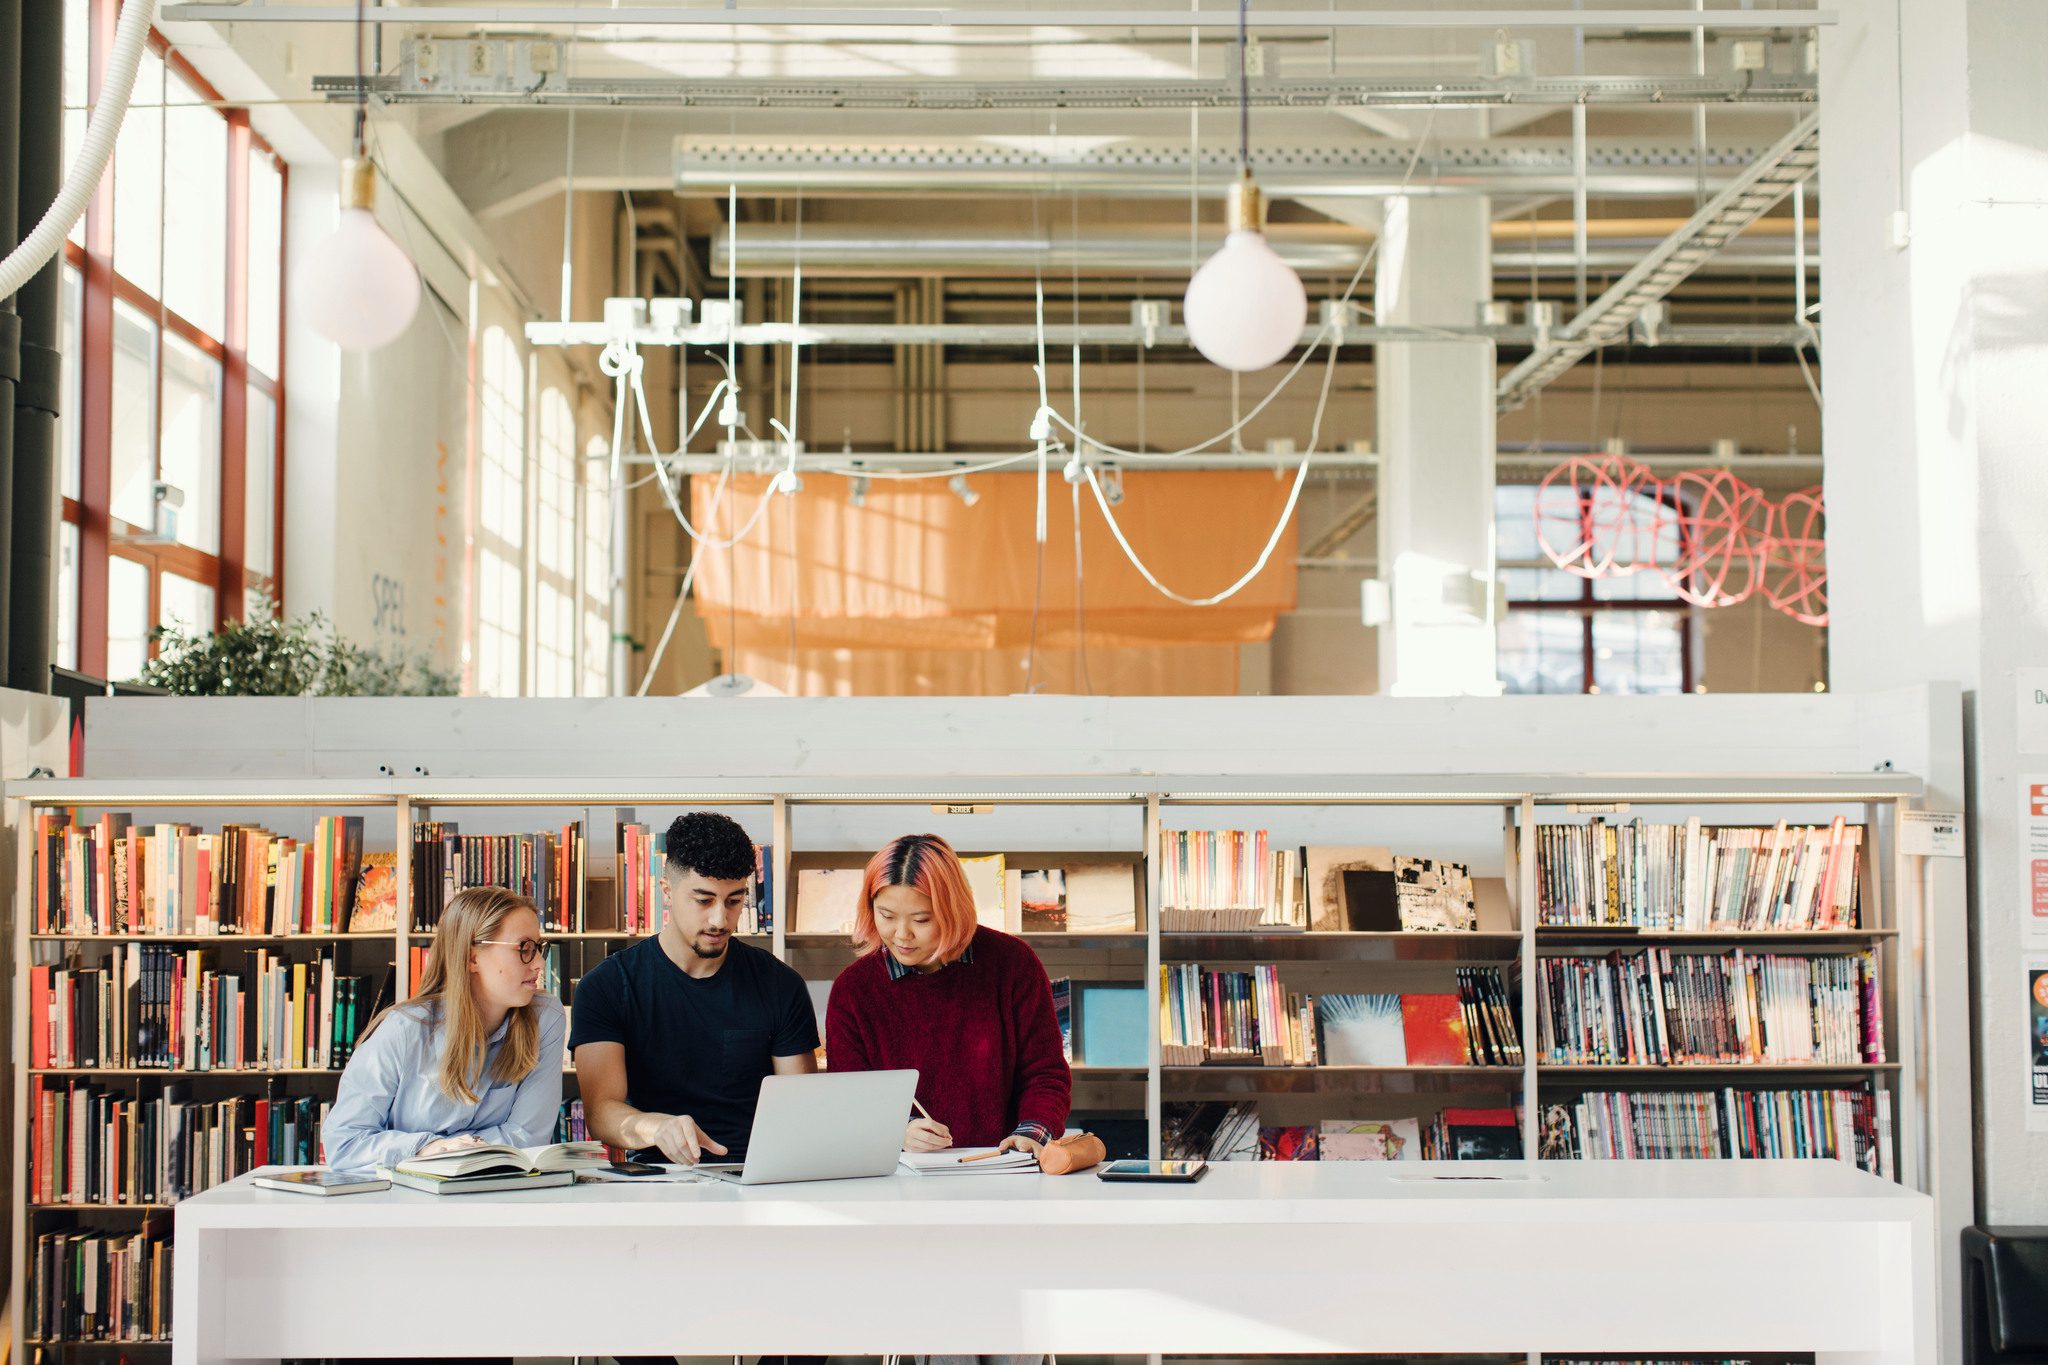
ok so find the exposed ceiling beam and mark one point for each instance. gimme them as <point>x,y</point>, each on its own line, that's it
<point>1609,317</point>
<point>578,16</point>
<point>1352,96</point>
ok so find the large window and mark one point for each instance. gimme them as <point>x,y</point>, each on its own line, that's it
<point>554,548</point>
<point>501,516</point>
<point>597,568</point>
<point>1564,633</point>
<point>174,408</point>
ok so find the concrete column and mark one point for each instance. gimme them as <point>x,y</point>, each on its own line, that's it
<point>1436,444</point>
<point>1935,334</point>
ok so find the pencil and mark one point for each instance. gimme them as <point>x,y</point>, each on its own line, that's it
<point>982,1157</point>
<point>922,1110</point>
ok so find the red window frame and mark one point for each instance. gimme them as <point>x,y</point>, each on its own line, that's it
<point>226,572</point>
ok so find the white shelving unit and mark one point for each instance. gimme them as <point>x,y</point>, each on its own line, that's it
<point>1091,816</point>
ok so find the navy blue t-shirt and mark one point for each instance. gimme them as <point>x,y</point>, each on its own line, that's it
<point>696,1046</point>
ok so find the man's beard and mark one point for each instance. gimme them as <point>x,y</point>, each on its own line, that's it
<point>702,952</point>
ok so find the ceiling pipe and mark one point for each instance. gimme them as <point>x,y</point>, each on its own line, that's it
<point>894,251</point>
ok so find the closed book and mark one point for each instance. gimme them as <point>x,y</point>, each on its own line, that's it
<point>427,1184</point>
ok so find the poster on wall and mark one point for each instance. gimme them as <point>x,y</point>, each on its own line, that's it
<point>2037,1045</point>
<point>2033,844</point>
<point>2031,687</point>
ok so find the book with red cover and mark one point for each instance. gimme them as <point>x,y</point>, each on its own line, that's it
<point>1301,1142</point>
<point>1434,1029</point>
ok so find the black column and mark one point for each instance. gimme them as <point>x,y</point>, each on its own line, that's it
<point>10,324</point>
<point>31,595</point>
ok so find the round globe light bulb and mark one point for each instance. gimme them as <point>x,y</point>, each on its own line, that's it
<point>357,286</point>
<point>1245,308</point>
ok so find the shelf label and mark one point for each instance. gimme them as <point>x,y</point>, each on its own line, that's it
<point>944,809</point>
<point>1931,833</point>
<point>1597,807</point>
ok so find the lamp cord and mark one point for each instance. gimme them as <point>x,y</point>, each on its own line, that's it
<point>1244,99</point>
<point>362,94</point>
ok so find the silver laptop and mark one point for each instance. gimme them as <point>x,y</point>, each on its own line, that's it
<point>824,1126</point>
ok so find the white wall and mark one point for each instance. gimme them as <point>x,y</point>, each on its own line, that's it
<point>1937,446</point>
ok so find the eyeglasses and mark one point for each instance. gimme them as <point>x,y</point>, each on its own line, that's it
<point>529,948</point>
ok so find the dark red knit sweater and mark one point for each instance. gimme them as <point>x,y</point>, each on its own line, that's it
<point>981,1034</point>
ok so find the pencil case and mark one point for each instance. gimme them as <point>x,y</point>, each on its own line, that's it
<point>1071,1154</point>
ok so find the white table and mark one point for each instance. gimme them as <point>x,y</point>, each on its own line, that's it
<point>1278,1257</point>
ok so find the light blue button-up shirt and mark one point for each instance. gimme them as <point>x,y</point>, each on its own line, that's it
<point>390,1103</point>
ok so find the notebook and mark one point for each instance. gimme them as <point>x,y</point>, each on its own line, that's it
<point>953,1161</point>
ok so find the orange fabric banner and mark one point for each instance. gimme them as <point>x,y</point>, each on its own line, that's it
<point>918,569</point>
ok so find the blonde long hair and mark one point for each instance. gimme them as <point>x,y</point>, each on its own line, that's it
<point>472,914</point>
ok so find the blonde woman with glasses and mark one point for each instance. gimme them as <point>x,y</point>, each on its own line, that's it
<point>474,1057</point>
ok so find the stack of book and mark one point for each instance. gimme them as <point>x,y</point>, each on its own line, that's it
<point>1228,880</point>
<point>1691,876</point>
<point>94,1285</point>
<point>155,1006</point>
<point>88,1145</point>
<point>1656,1009</point>
<point>1847,1124</point>
<point>1233,1017</point>
<point>547,868</point>
<point>115,878</point>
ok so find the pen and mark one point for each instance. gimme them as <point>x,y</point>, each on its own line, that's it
<point>922,1110</point>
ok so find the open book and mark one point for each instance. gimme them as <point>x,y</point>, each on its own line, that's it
<point>969,1161</point>
<point>495,1159</point>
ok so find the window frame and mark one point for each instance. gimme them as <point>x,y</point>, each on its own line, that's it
<point>103,537</point>
<point>1590,607</point>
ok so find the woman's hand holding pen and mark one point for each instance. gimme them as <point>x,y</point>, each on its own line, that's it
<point>926,1134</point>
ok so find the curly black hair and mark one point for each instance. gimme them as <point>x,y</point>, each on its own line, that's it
<point>710,845</point>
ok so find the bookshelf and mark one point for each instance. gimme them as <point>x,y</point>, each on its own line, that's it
<point>838,824</point>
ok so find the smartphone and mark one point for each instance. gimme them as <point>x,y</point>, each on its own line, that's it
<point>1165,1172</point>
<point>634,1168</point>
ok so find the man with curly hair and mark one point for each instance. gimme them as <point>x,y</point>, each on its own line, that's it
<point>673,1035</point>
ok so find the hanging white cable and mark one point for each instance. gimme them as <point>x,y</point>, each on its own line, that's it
<point>1279,527</point>
<point>668,491</point>
<point>682,594</point>
<point>46,239</point>
<point>848,472</point>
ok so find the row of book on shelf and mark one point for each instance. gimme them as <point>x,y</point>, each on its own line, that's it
<point>1697,877</point>
<point>1218,1130</point>
<point>1248,1017</point>
<point>116,877</point>
<point>96,1284</point>
<point>112,877</point>
<point>1849,1124</point>
<point>1656,1008</point>
<point>155,1005</point>
<point>1069,898</point>
<point>1240,881</point>
<point>92,1145</point>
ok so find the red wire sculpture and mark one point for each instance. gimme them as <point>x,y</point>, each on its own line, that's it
<point>1713,538</point>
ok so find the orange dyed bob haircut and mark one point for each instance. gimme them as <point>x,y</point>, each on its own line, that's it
<point>926,863</point>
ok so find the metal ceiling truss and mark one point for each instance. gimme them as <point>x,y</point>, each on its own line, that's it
<point>1363,170</point>
<point>1215,17</point>
<point>1351,333</point>
<point>1608,318</point>
<point>1404,92</point>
